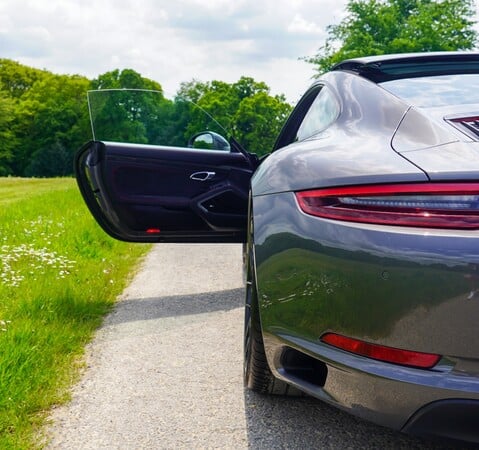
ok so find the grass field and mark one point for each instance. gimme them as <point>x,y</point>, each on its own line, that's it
<point>59,275</point>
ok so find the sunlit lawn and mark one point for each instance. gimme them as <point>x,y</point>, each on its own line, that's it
<point>59,275</point>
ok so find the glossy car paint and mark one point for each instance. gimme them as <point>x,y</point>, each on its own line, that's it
<point>354,150</point>
<point>404,287</point>
<point>401,287</point>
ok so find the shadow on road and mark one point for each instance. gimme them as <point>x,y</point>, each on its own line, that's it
<point>275,422</point>
<point>136,309</point>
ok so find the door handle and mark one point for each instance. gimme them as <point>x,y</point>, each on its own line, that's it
<point>202,176</point>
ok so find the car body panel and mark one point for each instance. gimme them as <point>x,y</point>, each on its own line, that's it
<point>385,394</point>
<point>356,149</point>
<point>417,131</point>
<point>449,162</point>
<point>301,166</point>
<point>398,273</point>
<point>403,287</point>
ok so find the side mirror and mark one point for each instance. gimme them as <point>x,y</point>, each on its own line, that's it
<point>209,140</point>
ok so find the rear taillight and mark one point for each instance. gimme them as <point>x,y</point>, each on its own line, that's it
<point>382,353</point>
<point>431,205</point>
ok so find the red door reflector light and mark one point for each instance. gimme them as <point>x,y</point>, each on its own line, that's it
<point>153,230</point>
<point>382,353</point>
<point>429,205</point>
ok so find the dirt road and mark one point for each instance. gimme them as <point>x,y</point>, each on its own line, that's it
<point>165,371</point>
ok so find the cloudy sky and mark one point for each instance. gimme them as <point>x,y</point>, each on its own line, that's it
<point>171,41</point>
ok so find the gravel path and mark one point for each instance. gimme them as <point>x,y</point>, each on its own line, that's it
<point>165,371</point>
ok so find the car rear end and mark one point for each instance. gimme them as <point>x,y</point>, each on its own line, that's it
<point>370,293</point>
<point>380,320</point>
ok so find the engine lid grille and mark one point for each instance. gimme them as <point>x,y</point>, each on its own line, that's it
<point>469,125</point>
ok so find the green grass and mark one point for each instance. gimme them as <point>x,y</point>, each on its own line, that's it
<point>14,189</point>
<point>59,275</point>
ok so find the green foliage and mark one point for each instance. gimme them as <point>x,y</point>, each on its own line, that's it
<point>16,79</point>
<point>138,116</point>
<point>244,109</point>
<point>8,139</point>
<point>375,27</point>
<point>46,112</point>
<point>258,121</point>
<point>51,161</point>
<point>125,79</point>
<point>59,274</point>
<point>44,117</point>
<point>54,117</point>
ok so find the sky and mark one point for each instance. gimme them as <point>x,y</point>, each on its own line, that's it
<point>171,41</point>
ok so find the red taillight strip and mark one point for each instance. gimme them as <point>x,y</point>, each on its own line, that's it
<point>327,203</point>
<point>382,353</point>
<point>391,189</point>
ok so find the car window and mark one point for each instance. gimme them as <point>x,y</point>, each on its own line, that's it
<point>437,90</point>
<point>323,112</point>
<point>137,116</point>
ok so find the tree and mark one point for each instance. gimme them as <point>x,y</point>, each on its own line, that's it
<point>244,109</point>
<point>53,160</point>
<point>141,115</point>
<point>7,136</point>
<point>127,79</point>
<point>51,115</point>
<point>375,27</point>
<point>259,120</point>
<point>44,116</point>
<point>17,79</point>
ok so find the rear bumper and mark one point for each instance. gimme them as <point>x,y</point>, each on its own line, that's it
<point>417,401</point>
<point>454,419</point>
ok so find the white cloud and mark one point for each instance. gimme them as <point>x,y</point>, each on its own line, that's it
<point>301,25</point>
<point>171,42</point>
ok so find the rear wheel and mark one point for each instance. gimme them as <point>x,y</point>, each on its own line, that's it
<point>257,374</point>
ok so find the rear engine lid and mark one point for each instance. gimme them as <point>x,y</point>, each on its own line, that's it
<point>419,130</point>
<point>442,109</point>
<point>442,141</point>
<point>451,161</point>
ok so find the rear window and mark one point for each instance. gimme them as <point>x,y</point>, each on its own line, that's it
<point>322,113</point>
<point>437,90</point>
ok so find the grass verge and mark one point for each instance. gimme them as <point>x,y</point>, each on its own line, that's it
<point>59,275</point>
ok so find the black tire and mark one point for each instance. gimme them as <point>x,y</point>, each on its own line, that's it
<point>257,374</point>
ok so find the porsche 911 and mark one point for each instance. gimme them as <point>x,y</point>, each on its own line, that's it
<point>360,229</point>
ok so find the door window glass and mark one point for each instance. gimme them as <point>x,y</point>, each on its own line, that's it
<point>137,116</point>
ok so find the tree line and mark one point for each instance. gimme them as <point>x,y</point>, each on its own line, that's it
<point>44,116</point>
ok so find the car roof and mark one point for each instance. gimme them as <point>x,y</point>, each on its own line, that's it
<point>382,68</point>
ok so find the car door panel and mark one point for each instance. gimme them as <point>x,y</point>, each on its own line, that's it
<point>146,193</point>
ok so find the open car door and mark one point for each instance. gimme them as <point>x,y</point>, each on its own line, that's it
<point>159,171</point>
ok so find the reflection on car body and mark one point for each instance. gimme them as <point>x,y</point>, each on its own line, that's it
<point>361,230</point>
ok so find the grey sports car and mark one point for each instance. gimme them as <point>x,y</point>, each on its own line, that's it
<point>361,232</point>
